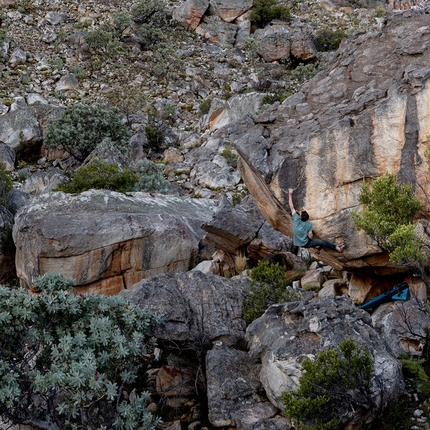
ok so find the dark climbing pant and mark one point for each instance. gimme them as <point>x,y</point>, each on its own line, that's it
<point>315,243</point>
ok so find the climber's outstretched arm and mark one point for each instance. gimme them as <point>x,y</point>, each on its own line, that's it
<point>290,200</point>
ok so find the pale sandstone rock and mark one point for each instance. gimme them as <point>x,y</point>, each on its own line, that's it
<point>229,10</point>
<point>67,83</point>
<point>312,280</point>
<point>362,125</point>
<point>190,13</point>
<point>217,31</point>
<point>108,241</point>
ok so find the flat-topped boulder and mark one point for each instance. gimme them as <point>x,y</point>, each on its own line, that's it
<point>108,241</point>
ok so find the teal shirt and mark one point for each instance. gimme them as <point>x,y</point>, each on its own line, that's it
<point>300,230</point>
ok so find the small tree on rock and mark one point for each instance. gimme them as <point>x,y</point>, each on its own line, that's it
<point>387,216</point>
<point>337,381</point>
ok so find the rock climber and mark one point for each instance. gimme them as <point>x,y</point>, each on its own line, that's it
<point>302,231</point>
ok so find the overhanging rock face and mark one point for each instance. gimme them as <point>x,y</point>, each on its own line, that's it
<point>108,241</point>
<point>367,114</point>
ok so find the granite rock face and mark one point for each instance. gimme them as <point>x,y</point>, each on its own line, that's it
<point>108,241</point>
<point>289,333</point>
<point>366,115</point>
<point>194,307</point>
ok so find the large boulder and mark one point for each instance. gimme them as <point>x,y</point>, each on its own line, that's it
<point>242,231</point>
<point>21,130</point>
<point>194,308</point>
<point>229,10</point>
<point>366,115</point>
<point>235,394</point>
<point>277,41</point>
<point>217,31</point>
<point>288,333</point>
<point>190,13</point>
<point>108,241</point>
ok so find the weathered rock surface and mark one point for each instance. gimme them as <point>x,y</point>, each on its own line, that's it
<point>194,307</point>
<point>108,241</point>
<point>366,115</point>
<point>287,334</point>
<point>234,388</point>
<point>190,13</point>
<point>43,181</point>
<point>277,41</point>
<point>243,232</point>
<point>21,127</point>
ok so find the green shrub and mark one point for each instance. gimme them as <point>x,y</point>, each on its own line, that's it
<point>100,176</point>
<point>98,39</point>
<point>150,177</point>
<point>121,21</point>
<point>82,127</point>
<point>265,11</point>
<point>230,156</point>
<point>78,72</point>
<point>149,11</point>
<point>149,35</point>
<point>335,382</point>
<point>268,286</point>
<point>80,356</point>
<point>205,106</point>
<point>166,59</point>
<point>6,184</point>
<point>153,131</point>
<point>252,47</point>
<point>329,40</point>
<point>23,173</point>
<point>387,214</point>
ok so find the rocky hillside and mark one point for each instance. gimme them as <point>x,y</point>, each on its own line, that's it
<point>45,54</point>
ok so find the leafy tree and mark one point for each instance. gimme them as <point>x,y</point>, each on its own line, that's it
<point>268,286</point>
<point>329,386</point>
<point>150,177</point>
<point>387,216</point>
<point>73,362</point>
<point>329,40</point>
<point>6,184</point>
<point>265,11</point>
<point>100,175</point>
<point>82,127</point>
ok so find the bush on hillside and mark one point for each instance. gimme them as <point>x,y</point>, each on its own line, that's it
<point>149,12</point>
<point>150,177</point>
<point>73,362</point>
<point>100,176</point>
<point>149,35</point>
<point>82,127</point>
<point>265,11</point>
<point>268,286</point>
<point>335,382</point>
<point>329,40</point>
